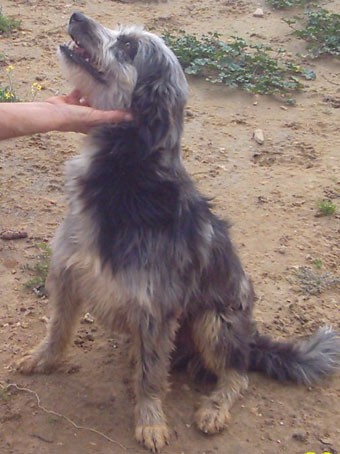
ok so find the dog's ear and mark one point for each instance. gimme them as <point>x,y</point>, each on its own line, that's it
<point>158,105</point>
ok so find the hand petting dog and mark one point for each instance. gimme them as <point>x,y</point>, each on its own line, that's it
<point>68,113</point>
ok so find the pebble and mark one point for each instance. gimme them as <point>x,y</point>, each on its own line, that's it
<point>88,318</point>
<point>300,436</point>
<point>258,12</point>
<point>258,136</point>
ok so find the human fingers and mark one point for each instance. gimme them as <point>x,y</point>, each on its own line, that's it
<point>114,116</point>
<point>74,98</point>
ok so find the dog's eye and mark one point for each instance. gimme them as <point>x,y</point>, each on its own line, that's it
<point>127,45</point>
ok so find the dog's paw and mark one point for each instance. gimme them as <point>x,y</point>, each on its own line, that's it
<point>153,437</point>
<point>212,420</point>
<point>35,363</point>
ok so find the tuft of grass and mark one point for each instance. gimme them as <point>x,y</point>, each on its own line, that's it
<point>326,208</point>
<point>254,67</point>
<point>7,25</point>
<point>4,395</point>
<point>318,264</point>
<point>40,270</point>
<point>285,4</point>
<point>314,282</point>
<point>321,31</point>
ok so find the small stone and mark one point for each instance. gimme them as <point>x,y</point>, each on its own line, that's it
<point>258,12</point>
<point>88,318</point>
<point>300,436</point>
<point>258,136</point>
<point>283,108</point>
<point>13,234</point>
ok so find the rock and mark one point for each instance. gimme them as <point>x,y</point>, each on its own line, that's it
<point>258,12</point>
<point>258,136</point>
<point>88,318</point>
<point>13,234</point>
<point>302,437</point>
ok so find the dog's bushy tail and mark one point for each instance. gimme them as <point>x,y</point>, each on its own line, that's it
<point>303,361</point>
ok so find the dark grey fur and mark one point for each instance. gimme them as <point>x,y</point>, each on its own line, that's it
<point>142,249</point>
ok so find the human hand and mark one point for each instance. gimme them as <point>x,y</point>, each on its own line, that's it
<point>78,116</point>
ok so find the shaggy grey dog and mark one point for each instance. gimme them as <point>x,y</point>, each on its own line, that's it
<point>142,249</point>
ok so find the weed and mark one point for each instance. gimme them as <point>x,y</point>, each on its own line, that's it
<point>285,4</point>
<point>326,208</point>
<point>40,270</point>
<point>7,93</point>
<point>4,395</point>
<point>253,67</point>
<point>318,263</point>
<point>314,282</point>
<point>52,420</point>
<point>322,32</point>
<point>7,25</point>
<point>35,88</point>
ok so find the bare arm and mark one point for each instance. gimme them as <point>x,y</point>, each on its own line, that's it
<point>61,113</point>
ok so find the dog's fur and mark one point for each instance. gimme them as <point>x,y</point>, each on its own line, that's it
<point>141,247</point>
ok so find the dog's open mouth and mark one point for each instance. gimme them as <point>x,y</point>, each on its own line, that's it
<point>79,55</point>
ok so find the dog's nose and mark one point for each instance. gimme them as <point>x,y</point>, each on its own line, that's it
<point>77,17</point>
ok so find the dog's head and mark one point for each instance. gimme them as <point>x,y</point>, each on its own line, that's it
<point>127,68</point>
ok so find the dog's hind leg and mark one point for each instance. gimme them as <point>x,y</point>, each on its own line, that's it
<point>225,353</point>
<point>153,344</point>
<point>66,303</point>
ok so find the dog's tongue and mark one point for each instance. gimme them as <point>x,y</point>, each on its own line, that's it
<point>81,52</point>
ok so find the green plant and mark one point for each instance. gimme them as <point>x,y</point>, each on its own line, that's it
<point>318,264</point>
<point>253,67</point>
<point>40,270</point>
<point>7,93</point>
<point>4,394</point>
<point>285,4</point>
<point>7,25</point>
<point>315,282</point>
<point>322,32</point>
<point>326,207</point>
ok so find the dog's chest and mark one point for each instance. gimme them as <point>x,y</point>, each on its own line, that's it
<point>114,299</point>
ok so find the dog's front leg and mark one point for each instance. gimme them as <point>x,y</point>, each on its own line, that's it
<point>66,305</point>
<point>153,344</point>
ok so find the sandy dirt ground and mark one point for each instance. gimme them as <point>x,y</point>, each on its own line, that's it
<point>270,193</point>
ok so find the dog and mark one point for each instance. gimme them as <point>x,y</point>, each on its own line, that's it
<point>142,248</point>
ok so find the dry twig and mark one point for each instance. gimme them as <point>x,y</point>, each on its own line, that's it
<point>54,413</point>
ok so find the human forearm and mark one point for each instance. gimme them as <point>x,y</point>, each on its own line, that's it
<point>20,119</point>
<point>56,114</point>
